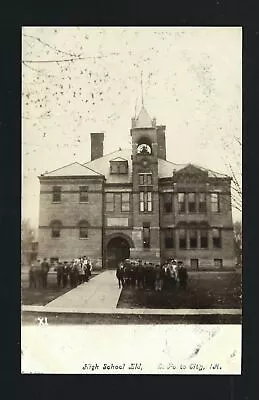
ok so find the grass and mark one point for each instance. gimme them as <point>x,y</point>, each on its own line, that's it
<point>40,296</point>
<point>204,290</point>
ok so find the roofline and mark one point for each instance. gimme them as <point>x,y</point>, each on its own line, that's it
<point>67,165</point>
<point>54,170</point>
<point>71,177</point>
<point>108,154</point>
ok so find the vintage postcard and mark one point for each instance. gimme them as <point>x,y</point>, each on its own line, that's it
<point>131,200</point>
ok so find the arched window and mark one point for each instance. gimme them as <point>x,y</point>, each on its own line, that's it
<point>144,146</point>
<point>83,229</point>
<point>55,228</point>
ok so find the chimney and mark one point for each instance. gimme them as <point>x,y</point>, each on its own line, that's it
<point>161,141</point>
<point>96,145</point>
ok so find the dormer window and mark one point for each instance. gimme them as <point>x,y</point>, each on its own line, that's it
<point>119,166</point>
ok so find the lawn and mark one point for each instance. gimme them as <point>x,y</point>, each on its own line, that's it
<point>204,290</point>
<point>40,296</point>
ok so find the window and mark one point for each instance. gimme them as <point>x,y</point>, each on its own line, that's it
<point>149,179</point>
<point>191,203</point>
<point>141,179</point>
<point>181,202</point>
<point>125,201</point>
<point>182,239</point>
<point>214,202</point>
<point>218,262</point>
<point>149,201</point>
<point>168,204</point>
<point>145,179</point>
<point>169,238</point>
<point>202,203</point>
<point>55,229</point>
<point>83,194</point>
<point>216,238</point>
<point>109,201</point>
<point>145,201</point>
<point>204,238</point>
<point>56,194</point>
<point>119,167</point>
<point>193,238</point>
<point>195,263</point>
<point>114,168</point>
<point>146,235</point>
<point>83,229</point>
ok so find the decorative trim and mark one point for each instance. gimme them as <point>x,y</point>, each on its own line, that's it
<point>108,238</point>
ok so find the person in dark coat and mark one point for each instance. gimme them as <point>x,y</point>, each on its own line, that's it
<point>32,279</point>
<point>167,277</point>
<point>65,275</point>
<point>158,278</point>
<point>182,276</point>
<point>87,269</point>
<point>127,267</point>
<point>140,275</point>
<point>120,274</point>
<point>73,275</point>
<point>60,273</point>
<point>45,270</point>
<point>133,275</point>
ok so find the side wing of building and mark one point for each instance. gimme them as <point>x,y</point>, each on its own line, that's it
<point>71,217</point>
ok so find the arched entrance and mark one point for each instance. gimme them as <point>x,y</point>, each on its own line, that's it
<point>118,249</point>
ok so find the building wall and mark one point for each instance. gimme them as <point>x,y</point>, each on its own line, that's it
<point>70,212</point>
<point>69,245</point>
<point>187,220</point>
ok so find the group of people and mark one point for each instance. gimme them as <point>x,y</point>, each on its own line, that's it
<point>145,275</point>
<point>38,274</point>
<point>71,273</point>
<point>74,273</point>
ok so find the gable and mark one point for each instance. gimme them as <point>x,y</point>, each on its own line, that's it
<point>191,169</point>
<point>119,159</point>
<point>74,169</point>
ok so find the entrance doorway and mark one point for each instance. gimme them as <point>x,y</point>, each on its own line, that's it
<point>117,250</point>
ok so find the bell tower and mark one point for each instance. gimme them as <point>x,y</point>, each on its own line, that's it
<point>145,149</point>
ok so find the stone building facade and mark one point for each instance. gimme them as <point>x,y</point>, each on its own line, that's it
<point>135,203</point>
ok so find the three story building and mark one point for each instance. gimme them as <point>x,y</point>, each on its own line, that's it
<point>135,203</point>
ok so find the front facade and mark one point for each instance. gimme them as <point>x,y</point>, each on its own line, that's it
<point>134,203</point>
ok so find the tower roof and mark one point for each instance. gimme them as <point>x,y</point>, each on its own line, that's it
<point>143,120</point>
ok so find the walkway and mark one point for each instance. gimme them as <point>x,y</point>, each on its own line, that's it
<point>100,292</point>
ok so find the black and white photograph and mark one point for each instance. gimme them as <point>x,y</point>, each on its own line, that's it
<point>131,231</point>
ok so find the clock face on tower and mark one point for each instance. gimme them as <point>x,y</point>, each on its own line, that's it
<point>144,149</point>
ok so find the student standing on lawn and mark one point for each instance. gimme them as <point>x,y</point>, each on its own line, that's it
<point>183,275</point>
<point>159,278</point>
<point>60,272</point>
<point>32,279</point>
<point>120,274</point>
<point>89,269</point>
<point>45,270</point>
<point>140,275</point>
<point>167,276</point>
<point>65,275</point>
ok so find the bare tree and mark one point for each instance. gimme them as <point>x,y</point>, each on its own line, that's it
<point>28,236</point>
<point>238,241</point>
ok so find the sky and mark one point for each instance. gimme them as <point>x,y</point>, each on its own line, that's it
<point>78,80</point>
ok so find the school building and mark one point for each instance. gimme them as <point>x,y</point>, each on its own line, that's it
<point>135,203</point>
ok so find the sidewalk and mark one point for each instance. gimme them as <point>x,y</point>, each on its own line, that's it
<point>100,292</point>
